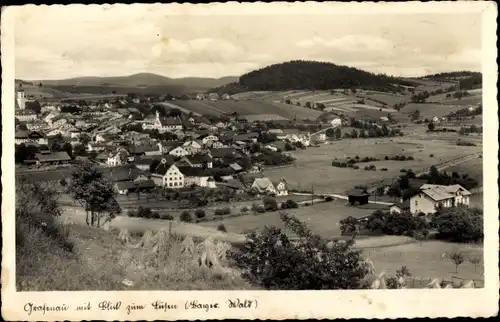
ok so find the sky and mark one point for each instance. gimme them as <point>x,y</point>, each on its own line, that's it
<point>58,42</point>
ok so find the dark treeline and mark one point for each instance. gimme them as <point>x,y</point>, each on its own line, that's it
<point>312,75</point>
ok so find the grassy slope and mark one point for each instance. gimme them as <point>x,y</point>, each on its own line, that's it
<point>99,261</point>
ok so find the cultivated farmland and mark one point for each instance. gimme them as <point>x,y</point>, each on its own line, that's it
<point>313,166</point>
<point>250,107</point>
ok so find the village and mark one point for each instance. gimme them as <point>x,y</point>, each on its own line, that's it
<point>152,150</point>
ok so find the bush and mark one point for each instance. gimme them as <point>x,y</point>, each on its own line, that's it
<point>199,213</point>
<point>270,204</point>
<point>289,204</point>
<point>144,212</point>
<point>166,217</point>
<point>272,261</point>
<point>386,158</point>
<point>131,213</point>
<point>459,224</point>
<point>222,228</point>
<point>431,155</point>
<point>222,211</point>
<point>349,226</point>
<point>259,209</point>
<point>403,224</point>
<point>329,199</point>
<point>244,209</point>
<point>155,215</point>
<point>383,169</point>
<point>185,216</point>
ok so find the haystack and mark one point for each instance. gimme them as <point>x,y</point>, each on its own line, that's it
<point>379,282</point>
<point>147,240</point>
<point>187,245</point>
<point>207,254</point>
<point>161,240</point>
<point>222,248</point>
<point>435,283</point>
<point>401,282</point>
<point>124,236</point>
<point>371,266</point>
<point>469,284</point>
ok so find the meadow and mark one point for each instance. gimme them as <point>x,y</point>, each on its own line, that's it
<point>255,108</point>
<point>322,218</point>
<point>425,261</point>
<point>313,165</point>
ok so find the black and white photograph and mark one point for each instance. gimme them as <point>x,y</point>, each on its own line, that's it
<point>210,150</point>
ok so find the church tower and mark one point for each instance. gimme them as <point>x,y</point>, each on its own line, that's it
<point>21,99</point>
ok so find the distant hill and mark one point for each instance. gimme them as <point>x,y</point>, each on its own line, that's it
<point>312,75</point>
<point>467,79</point>
<point>140,80</point>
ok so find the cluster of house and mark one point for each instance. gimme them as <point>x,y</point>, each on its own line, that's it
<point>428,200</point>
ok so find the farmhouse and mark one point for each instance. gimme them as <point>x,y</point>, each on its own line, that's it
<point>36,125</point>
<point>118,158</point>
<point>30,137</point>
<point>281,188</point>
<point>358,196</point>
<point>168,176</point>
<point>400,207</point>
<point>52,158</point>
<point>197,177</point>
<point>235,185</point>
<point>263,186</point>
<point>213,97</point>
<point>178,152</point>
<point>433,196</point>
<point>25,115</point>
<point>125,187</point>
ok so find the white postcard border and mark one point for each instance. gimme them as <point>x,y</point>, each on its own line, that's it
<point>275,304</point>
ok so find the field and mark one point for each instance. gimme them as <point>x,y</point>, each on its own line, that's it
<point>473,167</point>
<point>323,219</point>
<point>429,110</point>
<point>49,94</point>
<point>313,165</point>
<point>389,99</point>
<point>426,261</point>
<point>249,107</point>
<point>475,94</point>
<point>430,85</point>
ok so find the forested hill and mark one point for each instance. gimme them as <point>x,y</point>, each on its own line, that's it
<point>467,79</point>
<point>301,74</point>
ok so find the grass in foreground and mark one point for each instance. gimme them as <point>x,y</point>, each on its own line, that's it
<point>98,260</point>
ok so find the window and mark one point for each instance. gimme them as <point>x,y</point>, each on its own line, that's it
<point>170,184</point>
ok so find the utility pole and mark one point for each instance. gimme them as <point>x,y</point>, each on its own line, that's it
<point>312,194</point>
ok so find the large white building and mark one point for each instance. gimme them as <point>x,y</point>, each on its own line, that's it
<point>172,178</point>
<point>432,196</point>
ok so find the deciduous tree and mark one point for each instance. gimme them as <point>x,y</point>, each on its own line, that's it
<point>95,193</point>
